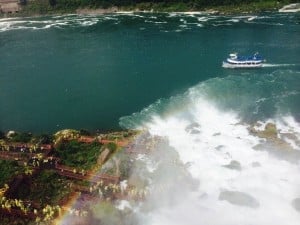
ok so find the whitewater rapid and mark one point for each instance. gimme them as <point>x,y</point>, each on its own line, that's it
<point>236,176</point>
<point>185,21</point>
<point>237,184</point>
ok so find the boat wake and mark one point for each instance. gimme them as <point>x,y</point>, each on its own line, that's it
<point>226,65</point>
<point>278,65</point>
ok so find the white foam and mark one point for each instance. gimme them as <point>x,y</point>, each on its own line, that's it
<point>150,165</point>
<point>183,20</point>
<point>124,12</point>
<point>193,13</point>
<point>288,124</point>
<point>203,19</point>
<point>277,65</point>
<point>57,21</point>
<point>252,18</point>
<point>233,20</point>
<point>274,184</point>
<point>123,204</point>
<point>265,23</point>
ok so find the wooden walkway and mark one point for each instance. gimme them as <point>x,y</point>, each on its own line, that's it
<point>87,176</point>
<point>61,169</point>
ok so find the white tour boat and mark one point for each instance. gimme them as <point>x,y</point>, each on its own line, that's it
<point>236,61</point>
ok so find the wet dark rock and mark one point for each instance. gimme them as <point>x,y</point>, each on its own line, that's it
<point>296,204</point>
<point>193,128</point>
<point>239,198</point>
<point>234,165</point>
<point>256,164</point>
<point>219,147</point>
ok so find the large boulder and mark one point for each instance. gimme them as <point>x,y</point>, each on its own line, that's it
<point>239,198</point>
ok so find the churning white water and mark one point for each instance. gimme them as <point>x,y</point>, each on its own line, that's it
<point>234,182</point>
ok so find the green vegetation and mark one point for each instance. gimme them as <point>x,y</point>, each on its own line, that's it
<point>112,147</point>
<point>37,7</point>
<point>120,135</point>
<point>76,154</point>
<point>48,188</point>
<point>21,137</point>
<point>27,137</point>
<point>226,6</point>
<point>8,170</point>
<point>44,139</point>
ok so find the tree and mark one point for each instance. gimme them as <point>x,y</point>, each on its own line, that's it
<point>21,137</point>
<point>45,139</point>
<point>52,2</point>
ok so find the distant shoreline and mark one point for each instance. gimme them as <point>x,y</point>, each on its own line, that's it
<point>221,10</point>
<point>36,9</point>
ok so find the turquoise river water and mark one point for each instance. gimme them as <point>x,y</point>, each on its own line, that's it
<point>89,71</point>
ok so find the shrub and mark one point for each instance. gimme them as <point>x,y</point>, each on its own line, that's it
<point>76,154</point>
<point>21,137</point>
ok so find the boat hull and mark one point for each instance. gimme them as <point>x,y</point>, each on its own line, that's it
<point>241,65</point>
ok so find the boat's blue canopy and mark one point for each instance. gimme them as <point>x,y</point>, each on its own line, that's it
<point>256,57</point>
